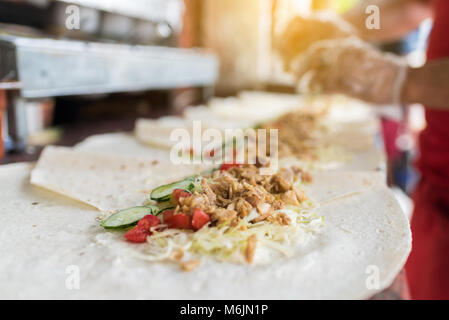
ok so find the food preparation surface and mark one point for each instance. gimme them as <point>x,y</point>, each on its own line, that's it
<point>104,143</point>
<point>80,242</point>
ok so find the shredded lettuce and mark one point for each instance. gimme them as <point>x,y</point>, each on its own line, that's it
<point>227,243</point>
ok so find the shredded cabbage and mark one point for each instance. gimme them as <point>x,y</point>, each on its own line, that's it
<point>228,243</point>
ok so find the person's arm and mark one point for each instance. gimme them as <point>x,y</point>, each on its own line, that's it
<point>428,85</point>
<point>397,18</point>
<point>353,67</point>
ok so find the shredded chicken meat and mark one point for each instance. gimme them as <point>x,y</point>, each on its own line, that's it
<point>228,196</point>
<point>298,134</point>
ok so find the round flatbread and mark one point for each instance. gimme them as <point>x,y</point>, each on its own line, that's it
<point>48,242</point>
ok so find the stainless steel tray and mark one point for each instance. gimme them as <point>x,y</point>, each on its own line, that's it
<point>46,67</point>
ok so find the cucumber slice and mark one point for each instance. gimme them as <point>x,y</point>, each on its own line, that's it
<point>127,217</point>
<point>163,193</point>
<point>161,207</point>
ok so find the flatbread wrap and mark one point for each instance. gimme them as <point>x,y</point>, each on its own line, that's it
<point>363,229</point>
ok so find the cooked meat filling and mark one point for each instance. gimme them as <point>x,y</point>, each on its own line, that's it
<point>228,196</point>
<point>298,134</point>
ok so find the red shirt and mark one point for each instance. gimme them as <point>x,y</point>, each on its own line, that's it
<point>434,141</point>
<point>428,265</point>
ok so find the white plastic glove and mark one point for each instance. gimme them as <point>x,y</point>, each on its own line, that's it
<point>303,31</point>
<point>352,67</point>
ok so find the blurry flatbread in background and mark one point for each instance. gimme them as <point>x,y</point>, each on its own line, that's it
<point>122,144</point>
<point>106,182</point>
<point>251,108</point>
<point>157,132</point>
<point>345,117</point>
<point>359,151</point>
<point>210,119</point>
<point>352,128</point>
<point>366,156</point>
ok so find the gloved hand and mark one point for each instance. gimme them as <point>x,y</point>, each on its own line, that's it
<point>352,67</point>
<point>303,31</point>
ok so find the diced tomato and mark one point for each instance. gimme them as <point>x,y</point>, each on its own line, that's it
<point>212,153</point>
<point>166,215</point>
<point>199,219</point>
<point>178,194</point>
<point>179,221</point>
<point>227,166</point>
<point>137,235</point>
<point>148,222</point>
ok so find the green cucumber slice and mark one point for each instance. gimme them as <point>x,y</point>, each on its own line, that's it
<point>127,217</point>
<point>163,193</point>
<point>161,207</point>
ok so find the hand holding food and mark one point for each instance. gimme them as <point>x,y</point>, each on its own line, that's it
<point>351,67</point>
<point>303,31</point>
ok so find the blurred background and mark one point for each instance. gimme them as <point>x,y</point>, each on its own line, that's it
<point>70,69</point>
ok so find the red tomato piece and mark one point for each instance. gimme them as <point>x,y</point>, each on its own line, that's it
<point>227,166</point>
<point>180,221</point>
<point>148,222</point>
<point>137,235</point>
<point>199,219</point>
<point>166,215</point>
<point>178,194</point>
